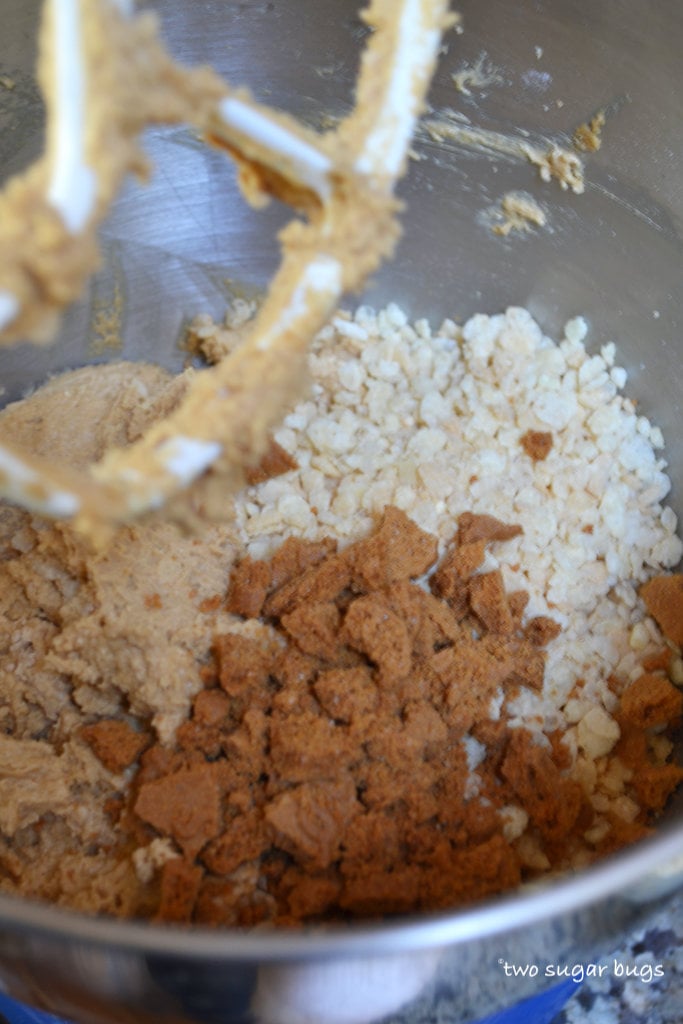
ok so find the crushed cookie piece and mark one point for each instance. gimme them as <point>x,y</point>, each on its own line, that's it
<point>359,759</point>
<point>115,743</point>
<point>242,842</point>
<point>311,895</point>
<point>275,462</point>
<point>309,748</point>
<point>184,805</point>
<point>449,581</point>
<point>243,665</point>
<point>296,555</point>
<point>663,597</point>
<point>249,586</point>
<point>541,630</point>
<point>314,628</point>
<point>537,444</point>
<point>654,784</point>
<point>659,661</point>
<point>470,675</point>
<point>311,819</point>
<point>489,603</point>
<point>347,693</point>
<point>323,581</point>
<point>210,708</point>
<point>650,701</point>
<point>472,528</point>
<point>397,550</point>
<point>370,626</point>
<point>180,882</point>
<point>552,802</point>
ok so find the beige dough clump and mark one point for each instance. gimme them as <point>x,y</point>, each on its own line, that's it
<point>517,211</point>
<point>84,634</point>
<point>100,619</point>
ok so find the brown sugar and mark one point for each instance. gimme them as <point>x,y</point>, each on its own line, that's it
<point>537,444</point>
<point>325,770</point>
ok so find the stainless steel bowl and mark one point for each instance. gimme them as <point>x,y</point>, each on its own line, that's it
<point>187,242</point>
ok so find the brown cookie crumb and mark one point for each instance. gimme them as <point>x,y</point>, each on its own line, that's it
<point>249,586</point>
<point>275,462</point>
<point>370,626</point>
<point>115,743</point>
<point>472,528</point>
<point>399,549</point>
<point>537,444</point>
<point>651,700</point>
<point>663,597</point>
<point>184,805</point>
<point>310,820</point>
<point>552,801</point>
<point>489,603</point>
<point>180,882</point>
<point>541,630</point>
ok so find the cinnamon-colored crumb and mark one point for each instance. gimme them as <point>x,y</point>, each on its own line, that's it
<point>249,585</point>
<point>295,556</point>
<point>654,784</point>
<point>371,627</point>
<point>398,550</point>
<point>242,841</point>
<point>489,603</point>
<point>659,661</point>
<point>180,881</point>
<point>473,527</point>
<point>184,805</point>
<point>275,462</point>
<point>115,743</point>
<point>541,630</point>
<point>337,749</point>
<point>663,597</point>
<point>314,628</point>
<point>650,701</point>
<point>537,444</point>
<point>552,801</point>
<point>309,820</point>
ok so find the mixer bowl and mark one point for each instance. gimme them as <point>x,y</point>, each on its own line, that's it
<point>187,242</point>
